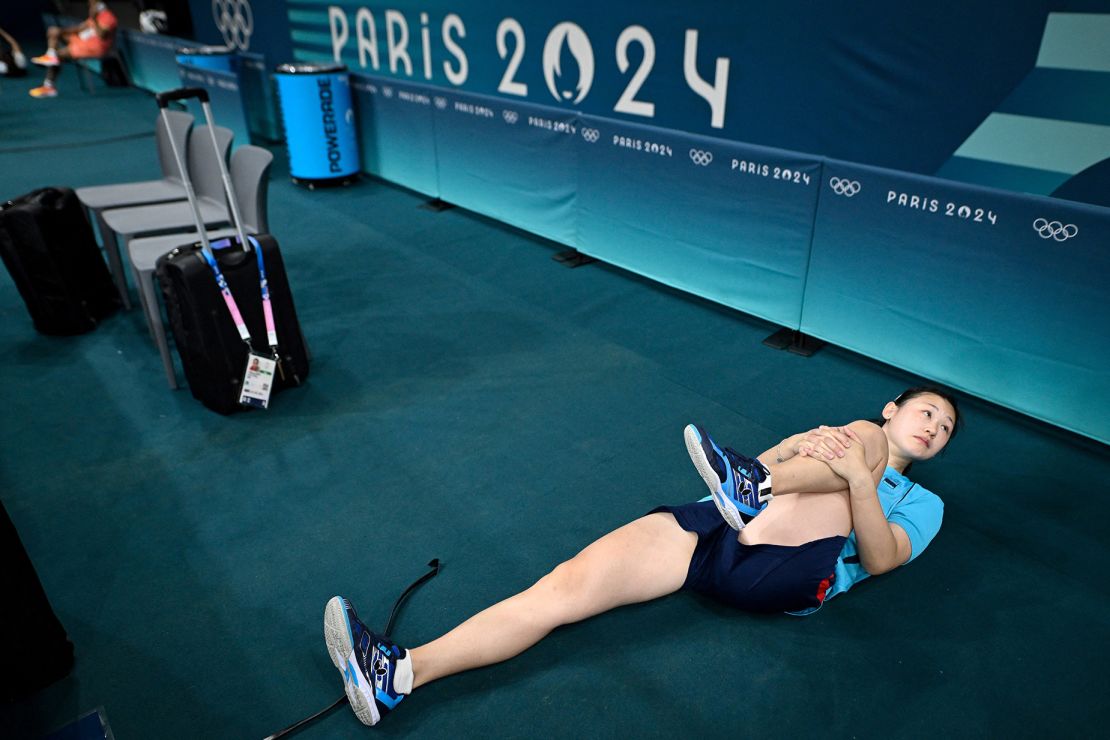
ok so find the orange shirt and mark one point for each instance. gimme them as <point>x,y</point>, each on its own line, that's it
<point>88,42</point>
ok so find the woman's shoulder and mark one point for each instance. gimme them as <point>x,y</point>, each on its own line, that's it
<point>913,491</point>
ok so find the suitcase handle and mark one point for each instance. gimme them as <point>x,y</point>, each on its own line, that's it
<point>184,93</point>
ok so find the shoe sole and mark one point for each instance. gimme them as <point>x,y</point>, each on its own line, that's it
<point>341,649</point>
<point>695,445</point>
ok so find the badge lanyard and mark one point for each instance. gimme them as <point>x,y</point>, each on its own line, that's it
<point>233,309</point>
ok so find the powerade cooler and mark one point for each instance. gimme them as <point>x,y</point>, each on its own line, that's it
<point>219,58</point>
<point>319,123</point>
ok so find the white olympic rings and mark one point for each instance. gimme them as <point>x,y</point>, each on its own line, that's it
<point>700,157</point>
<point>844,186</point>
<point>235,21</point>
<point>1054,229</point>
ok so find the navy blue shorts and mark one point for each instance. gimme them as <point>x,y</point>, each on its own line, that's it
<point>758,578</point>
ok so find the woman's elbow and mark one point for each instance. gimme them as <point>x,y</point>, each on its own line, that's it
<point>878,568</point>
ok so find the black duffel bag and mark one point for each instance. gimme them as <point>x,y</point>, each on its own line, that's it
<point>48,246</point>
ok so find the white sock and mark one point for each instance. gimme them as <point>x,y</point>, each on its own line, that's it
<point>402,675</point>
<point>765,488</point>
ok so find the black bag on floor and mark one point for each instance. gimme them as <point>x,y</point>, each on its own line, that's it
<point>47,244</point>
<point>36,651</point>
<point>213,353</point>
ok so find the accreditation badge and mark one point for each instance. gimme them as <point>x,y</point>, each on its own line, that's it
<point>258,381</point>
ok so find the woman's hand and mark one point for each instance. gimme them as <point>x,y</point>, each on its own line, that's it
<point>839,448</point>
<point>826,442</point>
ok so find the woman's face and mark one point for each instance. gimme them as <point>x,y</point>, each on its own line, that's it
<point>921,426</point>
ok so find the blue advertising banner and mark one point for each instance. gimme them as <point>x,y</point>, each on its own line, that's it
<point>396,131</point>
<point>722,220</point>
<point>795,74</point>
<point>225,98</point>
<point>995,293</point>
<point>513,161</point>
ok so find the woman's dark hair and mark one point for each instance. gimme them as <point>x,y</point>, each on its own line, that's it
<point>921,390</point>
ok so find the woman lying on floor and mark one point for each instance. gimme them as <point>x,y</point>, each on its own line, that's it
<point>816,514</point>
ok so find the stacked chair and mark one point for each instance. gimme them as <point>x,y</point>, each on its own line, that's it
<point>169,188</point>
<point>125,224</point>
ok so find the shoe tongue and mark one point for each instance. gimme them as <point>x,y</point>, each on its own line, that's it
<point>740,463</point>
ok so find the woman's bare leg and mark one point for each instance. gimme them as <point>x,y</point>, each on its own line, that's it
<point>643,560</point>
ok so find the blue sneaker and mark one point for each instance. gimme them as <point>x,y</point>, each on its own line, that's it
<point>741,486</point>
<point>377,674</point>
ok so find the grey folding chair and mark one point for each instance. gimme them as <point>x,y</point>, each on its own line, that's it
<point>169,188</point>
<point>250,178</point>
<point>125,224</point>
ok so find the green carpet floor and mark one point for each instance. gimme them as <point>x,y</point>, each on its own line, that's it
<point>475,401</point>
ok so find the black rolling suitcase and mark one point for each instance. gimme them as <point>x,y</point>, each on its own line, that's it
<point>217,352</point>
<point>47,244</point>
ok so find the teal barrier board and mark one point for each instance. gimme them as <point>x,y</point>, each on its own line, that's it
<point>995,293</point>
<point>726,221</point>
<point>396,131</point>
<point>225,98</point>
<point>508,160</point>
<point>152,60</point>
<point>259,99</point>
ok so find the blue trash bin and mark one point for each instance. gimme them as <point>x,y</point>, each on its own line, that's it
<point>319,122</point>
<point>219,58</point>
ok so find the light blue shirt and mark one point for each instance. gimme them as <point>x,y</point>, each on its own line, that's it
<point>915,509</point>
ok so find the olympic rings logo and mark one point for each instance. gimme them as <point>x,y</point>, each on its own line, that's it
<point>844,186</point>
<point>510,116</point>
<point>1054,230</point>
<point>591,135</point>
<point>387,91</point>
<point>441,102</point>
<point>235,21</point>
<point>701,158</point>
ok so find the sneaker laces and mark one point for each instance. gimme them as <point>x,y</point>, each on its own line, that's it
<point>748,467</point>
<point>754,473</point>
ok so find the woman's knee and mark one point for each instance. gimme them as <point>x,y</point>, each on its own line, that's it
<point>874,443</point>
<point>566,590</point>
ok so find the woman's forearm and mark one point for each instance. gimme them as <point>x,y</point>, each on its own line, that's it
<point>878,550</point>
<point>781,452</point>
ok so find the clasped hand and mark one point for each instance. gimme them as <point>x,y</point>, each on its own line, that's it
<point>838,447</point>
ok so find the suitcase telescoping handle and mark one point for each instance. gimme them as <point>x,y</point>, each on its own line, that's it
<point>182,93</point>
<point>186,93</point>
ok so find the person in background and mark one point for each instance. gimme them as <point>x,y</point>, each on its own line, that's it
<point>12,61</point>
<point>90,39</point>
